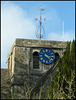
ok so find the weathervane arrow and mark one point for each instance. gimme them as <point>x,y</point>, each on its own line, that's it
<point>42,9</point>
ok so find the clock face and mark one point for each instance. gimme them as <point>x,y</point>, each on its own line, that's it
<point>46,56</point>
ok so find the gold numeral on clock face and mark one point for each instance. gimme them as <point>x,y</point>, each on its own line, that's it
<point>51,59</point>
<point>40,55</point>
<point>46,50</point>
<point>46,61</point>
<point>43,51</point>
<point>41,58</point>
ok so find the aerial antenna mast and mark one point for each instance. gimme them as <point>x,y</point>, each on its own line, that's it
<point>63,31</point>
<point>39,34</point>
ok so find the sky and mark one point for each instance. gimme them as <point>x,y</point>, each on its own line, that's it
<point>18,21</point>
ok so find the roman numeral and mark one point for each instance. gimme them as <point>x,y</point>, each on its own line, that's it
<point>46,50</point>
<point>46,61</point>
<point>51,59</point>
<point>43,51</point>
<point>49,50</point>
<point>41,58</point>
<point>40,55</point>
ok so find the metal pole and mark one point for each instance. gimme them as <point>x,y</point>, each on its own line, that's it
<point>40,27</point>
<point>63,30</point>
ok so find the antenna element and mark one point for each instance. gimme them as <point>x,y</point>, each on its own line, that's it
<point>63,31</point>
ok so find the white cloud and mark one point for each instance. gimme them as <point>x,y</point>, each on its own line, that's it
<point>52,16</point>
<point>68,36</point>
<point>14,24</point>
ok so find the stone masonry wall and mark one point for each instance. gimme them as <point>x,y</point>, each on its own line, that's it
<point>20,62</point>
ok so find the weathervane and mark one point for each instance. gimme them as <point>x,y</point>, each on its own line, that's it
<point>39,33</point>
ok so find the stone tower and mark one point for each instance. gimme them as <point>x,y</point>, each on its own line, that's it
<point>25,68</point>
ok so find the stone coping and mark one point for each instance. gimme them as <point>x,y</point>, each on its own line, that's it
<point>37,43</point>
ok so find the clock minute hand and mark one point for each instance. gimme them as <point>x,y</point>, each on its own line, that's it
<point>50,56</point>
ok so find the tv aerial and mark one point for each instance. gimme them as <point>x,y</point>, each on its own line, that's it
<point>40,31</point>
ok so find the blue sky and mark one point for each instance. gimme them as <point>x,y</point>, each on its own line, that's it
<point>17,21</point>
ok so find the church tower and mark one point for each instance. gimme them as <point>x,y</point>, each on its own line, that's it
<point>25,65</point>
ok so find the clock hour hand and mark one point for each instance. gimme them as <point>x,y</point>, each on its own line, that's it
<point>48,56</point>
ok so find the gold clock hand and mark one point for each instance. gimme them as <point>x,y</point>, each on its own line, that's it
<point>50,56</point>
<point>46,56</point>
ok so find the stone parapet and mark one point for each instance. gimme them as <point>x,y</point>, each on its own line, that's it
<point>40,43</point>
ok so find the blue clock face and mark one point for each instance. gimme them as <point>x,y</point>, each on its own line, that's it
<point>46,56</point>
